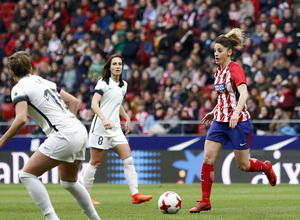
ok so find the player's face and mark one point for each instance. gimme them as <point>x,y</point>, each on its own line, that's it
<point>116,66</point>
<point>222,54</point>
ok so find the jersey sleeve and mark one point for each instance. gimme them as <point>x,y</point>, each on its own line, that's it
<point>238,75</point>
<point>18,94</point>
<point>101,87</point>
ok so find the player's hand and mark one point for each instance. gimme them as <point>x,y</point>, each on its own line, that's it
<point>106,124</point>
<point>127,126</point>
<point>234,120</point>
<point>207,119</point>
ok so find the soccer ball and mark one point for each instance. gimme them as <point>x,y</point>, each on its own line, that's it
<point>169,203</point>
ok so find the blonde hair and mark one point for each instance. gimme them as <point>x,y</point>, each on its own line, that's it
<point>232,40</point>
<point>20,63</point>
<point>236,36</point>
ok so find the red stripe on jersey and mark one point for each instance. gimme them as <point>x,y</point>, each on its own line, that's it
<point>249,139</point>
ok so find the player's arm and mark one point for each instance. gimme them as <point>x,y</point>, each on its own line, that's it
<point>18,123</point>
<point>70,101</point>
<point>95,107</point>
<point>127,123</point>
<point>242,88</point>
<point>207,119</point>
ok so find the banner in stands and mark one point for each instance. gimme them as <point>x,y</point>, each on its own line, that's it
<point>161,166</point>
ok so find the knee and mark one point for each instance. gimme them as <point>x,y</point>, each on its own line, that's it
<point>67,185</point>
<point>23,175</point>
<point>128,161</point>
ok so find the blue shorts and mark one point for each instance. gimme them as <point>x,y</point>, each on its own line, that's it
<point>240,136</point>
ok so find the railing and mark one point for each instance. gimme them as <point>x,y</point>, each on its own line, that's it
<point>180,123</point>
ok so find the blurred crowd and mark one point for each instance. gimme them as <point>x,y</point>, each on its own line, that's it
<point>168,50</point>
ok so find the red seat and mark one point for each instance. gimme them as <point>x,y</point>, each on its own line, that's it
<point>197,32</point>
<point>129,96</point>
<point>7,110</point>
<point>8,5</point>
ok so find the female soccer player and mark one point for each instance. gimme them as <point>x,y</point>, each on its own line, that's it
<point>231,120</point>
<point>65,146</point>
<point>106,132</point>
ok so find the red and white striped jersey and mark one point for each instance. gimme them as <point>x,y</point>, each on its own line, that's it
<point>226,83</point>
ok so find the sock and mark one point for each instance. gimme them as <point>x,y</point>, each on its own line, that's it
<point>207,178</point>
<point>89,177</point>
<point>39,194</point>
<point>82,198</point>
<point>257,166</point>
<point>130,175</point>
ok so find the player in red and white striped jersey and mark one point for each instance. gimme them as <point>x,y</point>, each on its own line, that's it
<point>230,118</point>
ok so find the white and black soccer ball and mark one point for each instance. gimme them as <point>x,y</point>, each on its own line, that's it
<point>169,203</point>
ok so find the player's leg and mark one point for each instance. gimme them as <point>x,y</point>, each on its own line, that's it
<point>123,150</point>
<point>97,144</point>
<point>211,150</point>
<point>69,180</point>
<point>91,169</point>
<point>36,166</point>
<point>241,139</point>
<point>254,165</point>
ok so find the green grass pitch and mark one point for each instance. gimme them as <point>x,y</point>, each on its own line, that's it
<point>236,201</point>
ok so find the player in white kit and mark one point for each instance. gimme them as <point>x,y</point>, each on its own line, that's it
<point>53,110</point>
<point>106,132</point>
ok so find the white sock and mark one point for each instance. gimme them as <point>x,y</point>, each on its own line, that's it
<point>131,175</point>
<point>89,177</point>
<point>39,194</point>
<point>82,198</point>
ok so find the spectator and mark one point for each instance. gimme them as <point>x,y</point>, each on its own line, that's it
<point>91,17</point>
<point>173,127</point>
<point>186,115</point>
<point>147,83</point>
<point>271,55</point>
<point>280,67</point>
<point>189,69</point>
<point>79,18</point>
<point>152,126</point>
<point>155,71</point>
<point>185,36</point>
<point>287,99</point>
<point>134,82</point>
<point>104,19</point>
<point>264,114</point>
<point>148,99</point>
<point>252,107</point>
<point>179,93</point>
<point>195,93</point>
<point>141,114</point>
<point>170,72</point>
<point>82,68</point>
<point>131,48</point>
<point>275,126</point>
<point>150,13</point>
<point>54,43</point>
<point>108,48</point>
<point>96,68</point>
<point>70,79</point>
<point>246,10</point>
<point>178,55</point>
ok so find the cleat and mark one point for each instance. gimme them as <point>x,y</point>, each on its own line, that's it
<point>270,174</point>
<point>202,206</point>
<point>139,198</point>
<point>95,202</point>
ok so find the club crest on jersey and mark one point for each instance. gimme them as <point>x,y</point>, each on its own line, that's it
<point>220,87</point>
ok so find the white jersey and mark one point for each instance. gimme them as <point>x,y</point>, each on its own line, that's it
<point>45,105</point>
<point>110,103</point>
